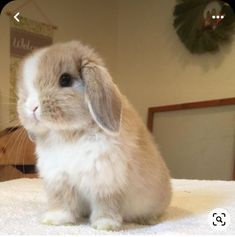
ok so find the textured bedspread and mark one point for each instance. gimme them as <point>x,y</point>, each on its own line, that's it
<point>23,201</point>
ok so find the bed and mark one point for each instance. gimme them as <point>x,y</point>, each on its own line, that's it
<point>22,201</point>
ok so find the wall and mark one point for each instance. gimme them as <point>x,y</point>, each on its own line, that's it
<point>92,22</point>
<point>154,66</point>
<point>137,40</point>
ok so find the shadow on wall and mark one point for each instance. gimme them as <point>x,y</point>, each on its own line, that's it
<point>206,61</point>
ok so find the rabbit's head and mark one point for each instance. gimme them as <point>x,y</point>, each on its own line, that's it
<point>66,86</point>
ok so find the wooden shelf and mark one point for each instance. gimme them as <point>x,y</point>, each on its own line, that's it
<point>15,150</point>
<point>8,172</point>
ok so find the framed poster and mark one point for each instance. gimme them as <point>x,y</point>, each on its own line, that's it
<point>197,139</point>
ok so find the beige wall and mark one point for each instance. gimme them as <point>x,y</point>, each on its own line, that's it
<point>93,22</point>
<point>156,69</point>
<point>137,40</point>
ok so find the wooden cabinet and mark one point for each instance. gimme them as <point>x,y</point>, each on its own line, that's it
<point>17,159</point>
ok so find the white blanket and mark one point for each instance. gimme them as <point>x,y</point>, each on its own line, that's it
<point>23,201</point>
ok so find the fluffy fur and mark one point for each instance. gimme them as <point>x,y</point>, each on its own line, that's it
<point>94,153</point>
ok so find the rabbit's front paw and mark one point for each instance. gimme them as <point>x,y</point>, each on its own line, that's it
<point>106,224</point>
<point>57,217</point>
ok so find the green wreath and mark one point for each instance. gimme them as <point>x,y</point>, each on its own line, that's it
<point>204,25</point>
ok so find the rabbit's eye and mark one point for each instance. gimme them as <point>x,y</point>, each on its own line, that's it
<point>66,80</point>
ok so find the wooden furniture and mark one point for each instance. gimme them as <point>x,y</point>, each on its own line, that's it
<point>185,106</point>
<point>17,159</point>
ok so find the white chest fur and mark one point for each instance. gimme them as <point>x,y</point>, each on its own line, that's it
<point>87,163</point>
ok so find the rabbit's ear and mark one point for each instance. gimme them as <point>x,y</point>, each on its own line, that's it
<point>103,97</point>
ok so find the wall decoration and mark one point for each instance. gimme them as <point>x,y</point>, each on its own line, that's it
<point>204,25</point>
<point>25,36</point>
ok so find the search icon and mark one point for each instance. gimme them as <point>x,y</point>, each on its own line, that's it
<point>219,219</point>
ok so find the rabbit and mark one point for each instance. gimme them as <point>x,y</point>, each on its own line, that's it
<point>94,154</point>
